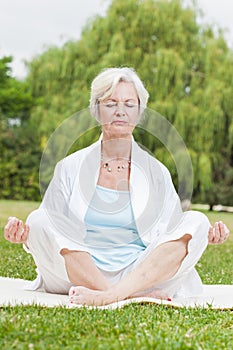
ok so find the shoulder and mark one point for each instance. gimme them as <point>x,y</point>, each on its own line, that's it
<point>71,162</point>
<point>153,163</point>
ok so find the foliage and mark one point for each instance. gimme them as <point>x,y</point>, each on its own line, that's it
<point>186,67</point>
<point>15,98</point>
<point>19,153</point>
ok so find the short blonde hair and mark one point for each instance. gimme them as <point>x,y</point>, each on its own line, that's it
<point>104,84</point>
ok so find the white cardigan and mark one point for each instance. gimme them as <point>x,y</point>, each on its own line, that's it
<point>155,203</point>
<point>156,206</point>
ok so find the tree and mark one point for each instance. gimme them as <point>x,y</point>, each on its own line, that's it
<point>19,156</point>
<point>186,67</point>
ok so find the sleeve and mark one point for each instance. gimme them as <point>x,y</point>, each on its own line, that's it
<point>172,212</point>
<point>57,195</point>
<point>55,203</point>
<point>175,223</point>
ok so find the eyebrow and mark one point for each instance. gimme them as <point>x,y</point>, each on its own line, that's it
<point>127,100</point>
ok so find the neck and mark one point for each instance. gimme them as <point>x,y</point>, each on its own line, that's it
<point>116,148</point>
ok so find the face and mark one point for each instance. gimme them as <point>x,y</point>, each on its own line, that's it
<point>119,113</point>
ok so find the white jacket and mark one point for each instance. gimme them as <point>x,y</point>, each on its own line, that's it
<point>156,206</point>
<point>155,203</point>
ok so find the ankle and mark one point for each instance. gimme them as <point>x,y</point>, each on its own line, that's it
<point>117,293</point>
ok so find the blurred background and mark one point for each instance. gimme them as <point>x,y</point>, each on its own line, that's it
<point>183,51</point>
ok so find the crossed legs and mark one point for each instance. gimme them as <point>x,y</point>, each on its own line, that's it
<point>92,288</point>
<point>82,271</point>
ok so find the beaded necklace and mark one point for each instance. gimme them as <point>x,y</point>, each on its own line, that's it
<point>123,164</point>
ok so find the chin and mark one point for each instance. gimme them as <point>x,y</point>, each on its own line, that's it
<point>119,130</point>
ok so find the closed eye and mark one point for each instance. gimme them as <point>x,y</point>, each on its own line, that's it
<point>110,104</point>
<point>129,104</point>
<point>115,104</point>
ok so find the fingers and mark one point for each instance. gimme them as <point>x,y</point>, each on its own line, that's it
<point>11,228</point>
<point>218,233</point>
<point>211,234</point>
<point>223,231</point>
<point>25,233</point>
<point>15,231</point>
<point>19,231</point>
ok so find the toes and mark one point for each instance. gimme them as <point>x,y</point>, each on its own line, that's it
<point>76,290</point>
<point>72,291</point>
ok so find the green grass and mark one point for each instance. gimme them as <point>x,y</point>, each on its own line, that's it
<point>20,209</point>
<point>133,327</point>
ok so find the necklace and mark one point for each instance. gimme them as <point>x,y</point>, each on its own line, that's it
<point>121,166</point>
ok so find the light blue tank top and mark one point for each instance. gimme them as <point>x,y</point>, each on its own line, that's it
<point>112,236</point>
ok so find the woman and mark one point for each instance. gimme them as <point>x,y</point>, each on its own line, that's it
<point>110,223</point>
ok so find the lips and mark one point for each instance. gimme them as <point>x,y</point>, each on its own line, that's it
<point>119,122</point>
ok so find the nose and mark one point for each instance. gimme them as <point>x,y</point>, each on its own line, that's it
<point>120,111</point>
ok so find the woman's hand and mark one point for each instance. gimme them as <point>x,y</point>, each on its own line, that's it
<point>15,231</point>
<point>218,233</point>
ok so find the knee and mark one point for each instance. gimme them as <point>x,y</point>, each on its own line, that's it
<point>199,227</point>
<point>202,218</point>
<point>36,218</point>
<point>37,221</point>
<point>200,222</point>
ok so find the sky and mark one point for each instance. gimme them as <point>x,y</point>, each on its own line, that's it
<point>28,27</point>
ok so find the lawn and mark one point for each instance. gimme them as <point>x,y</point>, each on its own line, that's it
<point>133,327</point>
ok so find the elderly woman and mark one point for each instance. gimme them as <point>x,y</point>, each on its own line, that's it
<point>110,226</point>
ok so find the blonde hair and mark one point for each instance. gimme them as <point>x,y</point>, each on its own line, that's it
<point>104,84</point>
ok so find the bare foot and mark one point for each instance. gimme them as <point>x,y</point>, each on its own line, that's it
<point>158,294</point>
<point>85,296</point>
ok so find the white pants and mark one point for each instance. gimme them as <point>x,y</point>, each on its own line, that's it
<point>45,245</point>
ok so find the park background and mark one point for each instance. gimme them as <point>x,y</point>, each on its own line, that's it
<point>186,66</point>
<point>188,69</point>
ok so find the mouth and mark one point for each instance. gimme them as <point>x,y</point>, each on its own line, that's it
<point>119,122</point>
